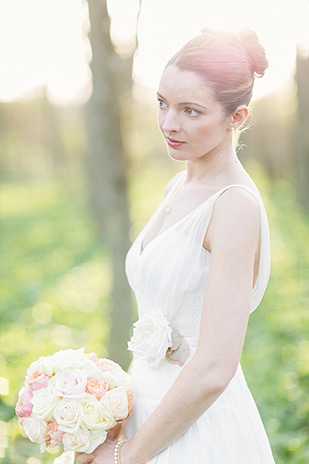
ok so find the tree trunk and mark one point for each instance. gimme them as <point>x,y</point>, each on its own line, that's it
<point>4,159</point>
<point>107,166</point>
<point>302,79</point>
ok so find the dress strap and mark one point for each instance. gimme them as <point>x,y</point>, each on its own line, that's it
<point>245,187</point>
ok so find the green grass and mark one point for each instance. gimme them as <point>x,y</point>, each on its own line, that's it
<point>55,285</point>
<point>276,352</point>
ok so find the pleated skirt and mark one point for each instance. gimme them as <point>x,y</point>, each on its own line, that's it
<point>231,431</point>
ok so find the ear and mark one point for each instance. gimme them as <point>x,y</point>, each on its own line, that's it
<point>238,117</point>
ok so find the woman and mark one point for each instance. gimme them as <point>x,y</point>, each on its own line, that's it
<point>198,268</point>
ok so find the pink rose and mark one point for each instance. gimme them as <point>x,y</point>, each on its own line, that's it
<point>37,380</point>
<point>92,357</point>
<point>107,365</point>
<point>70,383</point>
<point>24,405</point>
<point>97,386</point>
<point>53,436</point>
<point>130,398</point>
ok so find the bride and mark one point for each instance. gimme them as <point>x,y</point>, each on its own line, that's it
<point>198,269</point>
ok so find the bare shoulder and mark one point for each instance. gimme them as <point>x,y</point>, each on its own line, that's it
<point>238,200</point>
<point>172,182</point>
<point>236,217</point>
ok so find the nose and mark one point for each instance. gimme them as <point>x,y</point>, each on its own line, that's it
<point>169,121</point>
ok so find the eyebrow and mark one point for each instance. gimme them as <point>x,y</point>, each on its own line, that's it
<point>184,103</point>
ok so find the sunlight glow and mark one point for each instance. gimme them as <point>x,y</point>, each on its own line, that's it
<point>280,25</point>
<point>44,42</point>
<point>41,44</point>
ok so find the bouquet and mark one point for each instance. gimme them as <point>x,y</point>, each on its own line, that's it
<point>73,399</point>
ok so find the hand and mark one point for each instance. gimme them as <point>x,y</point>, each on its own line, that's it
<point>104,454</point>
<point>114,433</point>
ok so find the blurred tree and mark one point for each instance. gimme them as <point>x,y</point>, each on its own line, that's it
<point>270,137</point>
<point>33,139</point>
<point>302,79</point>
<point>107,166</point>
<point>3,143</point>
<point>51,132</point>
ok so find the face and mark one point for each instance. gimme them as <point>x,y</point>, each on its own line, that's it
<point>192,122</point>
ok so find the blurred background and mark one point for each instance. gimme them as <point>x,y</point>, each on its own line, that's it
<point>83,167</point>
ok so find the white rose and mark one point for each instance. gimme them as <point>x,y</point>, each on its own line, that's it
<point>34,429</point>
<point>67,415</point>
<point>152,336</point>
<point>110,377</point>
<point>70,383</point>
<point>115,402</point>
<point>92,414</point>
<point>123,379</point>
<point>78,441</point>
<point>106,364</point>
<point>91,369</point>
<point>97,437</point>
<point>43,364</point>
<point>44,402</point>
<point>107,419</point>
<point>68,359</point>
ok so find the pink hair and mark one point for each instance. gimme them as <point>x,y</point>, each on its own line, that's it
<point>228,61</point>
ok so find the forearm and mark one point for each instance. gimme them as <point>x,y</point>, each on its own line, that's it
<point>187,399</point>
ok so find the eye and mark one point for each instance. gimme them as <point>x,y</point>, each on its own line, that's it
<point>162,104</point>
<point>191,111</point>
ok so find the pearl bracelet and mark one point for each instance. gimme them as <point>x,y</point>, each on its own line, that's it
<point>117,451</point>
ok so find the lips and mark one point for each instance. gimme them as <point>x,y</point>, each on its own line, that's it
<point>173,142</point>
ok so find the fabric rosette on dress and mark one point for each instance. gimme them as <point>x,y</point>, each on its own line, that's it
<point>154,339</point>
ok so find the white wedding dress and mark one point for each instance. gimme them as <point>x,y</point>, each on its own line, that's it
<point>170,276</point>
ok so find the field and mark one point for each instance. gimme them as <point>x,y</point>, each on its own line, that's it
<point>55,290</point>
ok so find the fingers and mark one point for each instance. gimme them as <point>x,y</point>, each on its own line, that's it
<point>113,433</point>
<point>83,458</point>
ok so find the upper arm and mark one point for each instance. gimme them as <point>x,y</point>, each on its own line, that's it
<point>233,240</point>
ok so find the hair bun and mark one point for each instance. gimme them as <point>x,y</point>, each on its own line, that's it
<point>254,50</point>
<point>227,61</point>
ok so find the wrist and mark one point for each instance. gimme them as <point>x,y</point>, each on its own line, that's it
<point>128,454</point>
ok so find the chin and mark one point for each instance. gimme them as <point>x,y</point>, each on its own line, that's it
<point>180,157</point>
<point>177,154</point>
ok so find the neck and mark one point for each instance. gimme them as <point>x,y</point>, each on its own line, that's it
<point>212,168</point>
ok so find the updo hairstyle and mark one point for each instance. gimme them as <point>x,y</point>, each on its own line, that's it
<point>228,61</point>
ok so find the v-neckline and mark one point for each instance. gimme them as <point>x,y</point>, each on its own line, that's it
<point>160,234</point>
